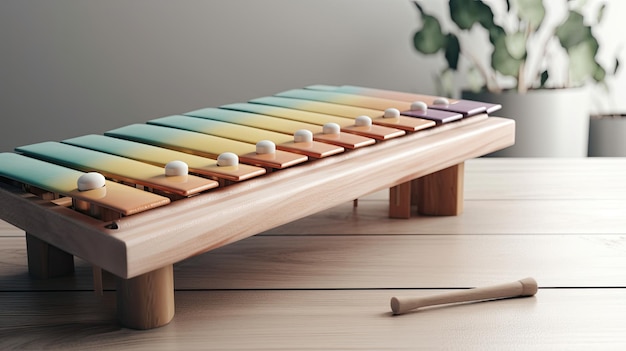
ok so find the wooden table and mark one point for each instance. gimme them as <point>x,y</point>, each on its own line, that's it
<point>325,281</point>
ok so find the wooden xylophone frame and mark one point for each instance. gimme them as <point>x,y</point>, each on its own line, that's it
<point>423,168</point>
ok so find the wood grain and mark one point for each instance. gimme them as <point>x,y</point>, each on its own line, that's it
<point>579,319</point>
<point>441,193</point>
<point>378,261</point>
<point>324,281</point>
<point>142,243</point>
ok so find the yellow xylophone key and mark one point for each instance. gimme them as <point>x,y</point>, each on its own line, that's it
<point>159,156</point>
<point>118,168</point>
<point>378,93</point>
<point>205,145</point>
<point>57,179</point>
<point>287,121</point>
<point>387,112</point>
<point>284,125</point>
<point>247,134</point>
<point>378,132</point>
<point>418,112</point>
<point>335,97</point>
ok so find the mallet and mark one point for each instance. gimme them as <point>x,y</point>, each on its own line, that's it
<point>520,288</point>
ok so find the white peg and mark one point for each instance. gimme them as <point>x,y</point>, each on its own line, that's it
<point>331,128</point>
<point>90,181</point>
<point>303,136</point>
<point>419,106</point>
<point>441,101</point>
<point>265,147</point>
<point>227,159</point>
<point>176,168</point>
<point>363,121</point>
<point>391,113</point>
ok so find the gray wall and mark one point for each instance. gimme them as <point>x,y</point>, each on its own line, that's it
<point>73,67</point>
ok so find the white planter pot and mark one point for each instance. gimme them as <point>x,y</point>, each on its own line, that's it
<point>548,122</point>
<point>607,136</point>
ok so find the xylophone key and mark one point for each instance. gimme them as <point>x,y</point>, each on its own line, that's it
<point>205,145</point>
<point>159,156</point>
<point>251,135</point>
<point>379,108</point>
<point>334,97</point>
<point>377,93</point>
<point>419,109</point>
<point>119,198</point>
<point>323,102</point>
<point>287,121</point>
<point>465,107</point>
<point>286,126</point>
<point>422,118</point>
<point>373,131</point>
<point>119,168</point>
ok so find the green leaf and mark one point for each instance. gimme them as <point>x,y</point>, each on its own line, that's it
<point>599,74</point>
<point>475,81</point>
<point>467,12</point>
<point>582,62</point>
<point>573,31</point>
<point>502,61</point>
<point>531,11</point>
<point>516,45</point>
<point>496,33</point>
<point>445,82</point>
<point>453,51</point>
<point>430,38</point>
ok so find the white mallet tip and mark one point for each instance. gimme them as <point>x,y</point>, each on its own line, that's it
<point>265,147</point>
<point>363,121</point>
<point>419,106</point>
<point>331,128</point>
<point>303,136</point>
<point>441,101</point>
<point>176,168</point>
<point>227,159</point>
<point>391,113</point>
<point>90,181</point>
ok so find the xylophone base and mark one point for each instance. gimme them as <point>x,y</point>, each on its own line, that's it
<point>143,302</point>
<point>47,261</point>
<point>146,301</point>
<point>436,194</point>
<point>440,193</point>
<point>423,169</point>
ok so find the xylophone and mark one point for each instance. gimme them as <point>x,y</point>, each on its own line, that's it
<point>140,198</point>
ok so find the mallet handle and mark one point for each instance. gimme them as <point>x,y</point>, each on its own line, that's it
<point>524,287</point>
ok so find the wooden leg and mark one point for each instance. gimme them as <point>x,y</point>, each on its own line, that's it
<point>47,261</point>
<point>400,201</point>
<point>441,193</point>
<point>146,301</point>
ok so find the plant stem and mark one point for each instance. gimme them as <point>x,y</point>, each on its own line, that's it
<point>544,54</point>
<point>521,74</point>
<point>490,81</point>
<point>521,79</point>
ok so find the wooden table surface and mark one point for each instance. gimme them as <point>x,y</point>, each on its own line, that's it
<point>325,281</point>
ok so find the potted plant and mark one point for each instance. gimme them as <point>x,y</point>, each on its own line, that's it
<point>514,54</point>
<point>607,135</point>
